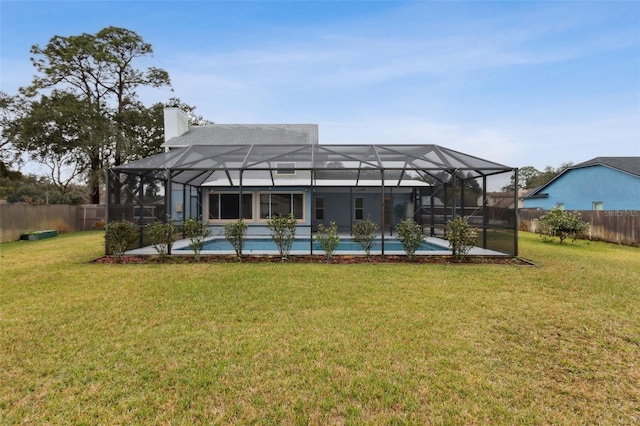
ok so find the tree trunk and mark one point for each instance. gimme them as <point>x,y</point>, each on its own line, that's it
<point>95,179</point>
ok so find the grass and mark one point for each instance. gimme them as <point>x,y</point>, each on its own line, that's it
<point>319,344</point>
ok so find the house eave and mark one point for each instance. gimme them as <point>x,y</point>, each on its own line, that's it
<point>536,196</point>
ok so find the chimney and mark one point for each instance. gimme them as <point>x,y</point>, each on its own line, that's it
<point>176,123</point>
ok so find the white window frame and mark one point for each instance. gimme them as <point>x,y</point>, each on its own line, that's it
<point>291,207</point>
<point>218,194</point>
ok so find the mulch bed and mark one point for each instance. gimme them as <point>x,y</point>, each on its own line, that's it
<point>337,260</point>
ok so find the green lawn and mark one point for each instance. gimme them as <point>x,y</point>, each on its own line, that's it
<point>319,344</point>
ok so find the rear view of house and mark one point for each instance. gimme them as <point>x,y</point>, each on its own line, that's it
<point>225,172</point>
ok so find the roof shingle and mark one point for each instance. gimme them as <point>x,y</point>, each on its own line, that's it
<point>247,134</point>
<point>626,164</point>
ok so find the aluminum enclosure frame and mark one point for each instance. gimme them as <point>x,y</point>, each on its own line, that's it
<point>428,169</point>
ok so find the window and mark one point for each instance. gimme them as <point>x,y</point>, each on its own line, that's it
<point>279,203</point>
<point>319,208</point>
<point>287,169</point>
<point>358,208</point>
<point>226,206</point>
<point>598,205</point>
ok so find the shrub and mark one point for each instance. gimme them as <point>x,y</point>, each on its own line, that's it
<point>410,234</point>
<point>196,231</point>
<point>283,233</point>
<point>363,233</point>
<point>162,236</point>
<point>460,237</point>
<point>235,233</point>
<point>328,239</point>
<point>562,224</point>
<point>119,236</point>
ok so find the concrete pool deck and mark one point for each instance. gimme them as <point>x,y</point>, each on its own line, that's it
<point>179,245</point>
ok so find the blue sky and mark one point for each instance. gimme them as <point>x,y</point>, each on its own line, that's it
<point>520,83</point>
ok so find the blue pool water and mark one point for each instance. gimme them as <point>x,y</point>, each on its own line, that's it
<point>302,244</point>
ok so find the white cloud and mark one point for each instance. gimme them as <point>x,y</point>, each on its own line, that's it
<point>355,55</point>
<point>422,72</point>
<point>484,142</point>
<point>579,141</point>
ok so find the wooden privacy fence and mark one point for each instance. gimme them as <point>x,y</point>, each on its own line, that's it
<point>17,219</point>
<point>614,226</point>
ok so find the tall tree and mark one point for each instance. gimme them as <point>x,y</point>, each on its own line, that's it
<point>529,177</point>
<point>57,132</point>
<point>547,175</point>
<point>98,69</point>
<point>11,109</point>
<point>143,130</point>
<point>525,175</point>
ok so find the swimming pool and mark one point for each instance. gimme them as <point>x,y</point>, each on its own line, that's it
<point>260,245</point>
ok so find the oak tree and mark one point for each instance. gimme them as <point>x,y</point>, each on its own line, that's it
<point>99,71</point>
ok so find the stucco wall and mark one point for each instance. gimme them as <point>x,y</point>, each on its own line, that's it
<point>579,188</point>
<point>339,206</point>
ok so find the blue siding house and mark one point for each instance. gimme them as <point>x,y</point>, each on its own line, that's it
<point>603,183</point>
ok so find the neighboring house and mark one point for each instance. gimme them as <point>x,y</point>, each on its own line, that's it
<point>224,172</point>
<point>603,183</point>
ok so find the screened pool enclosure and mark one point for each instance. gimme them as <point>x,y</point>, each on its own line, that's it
<point>318,184</point>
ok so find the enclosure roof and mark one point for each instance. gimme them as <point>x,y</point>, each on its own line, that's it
<point>195,164</point>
